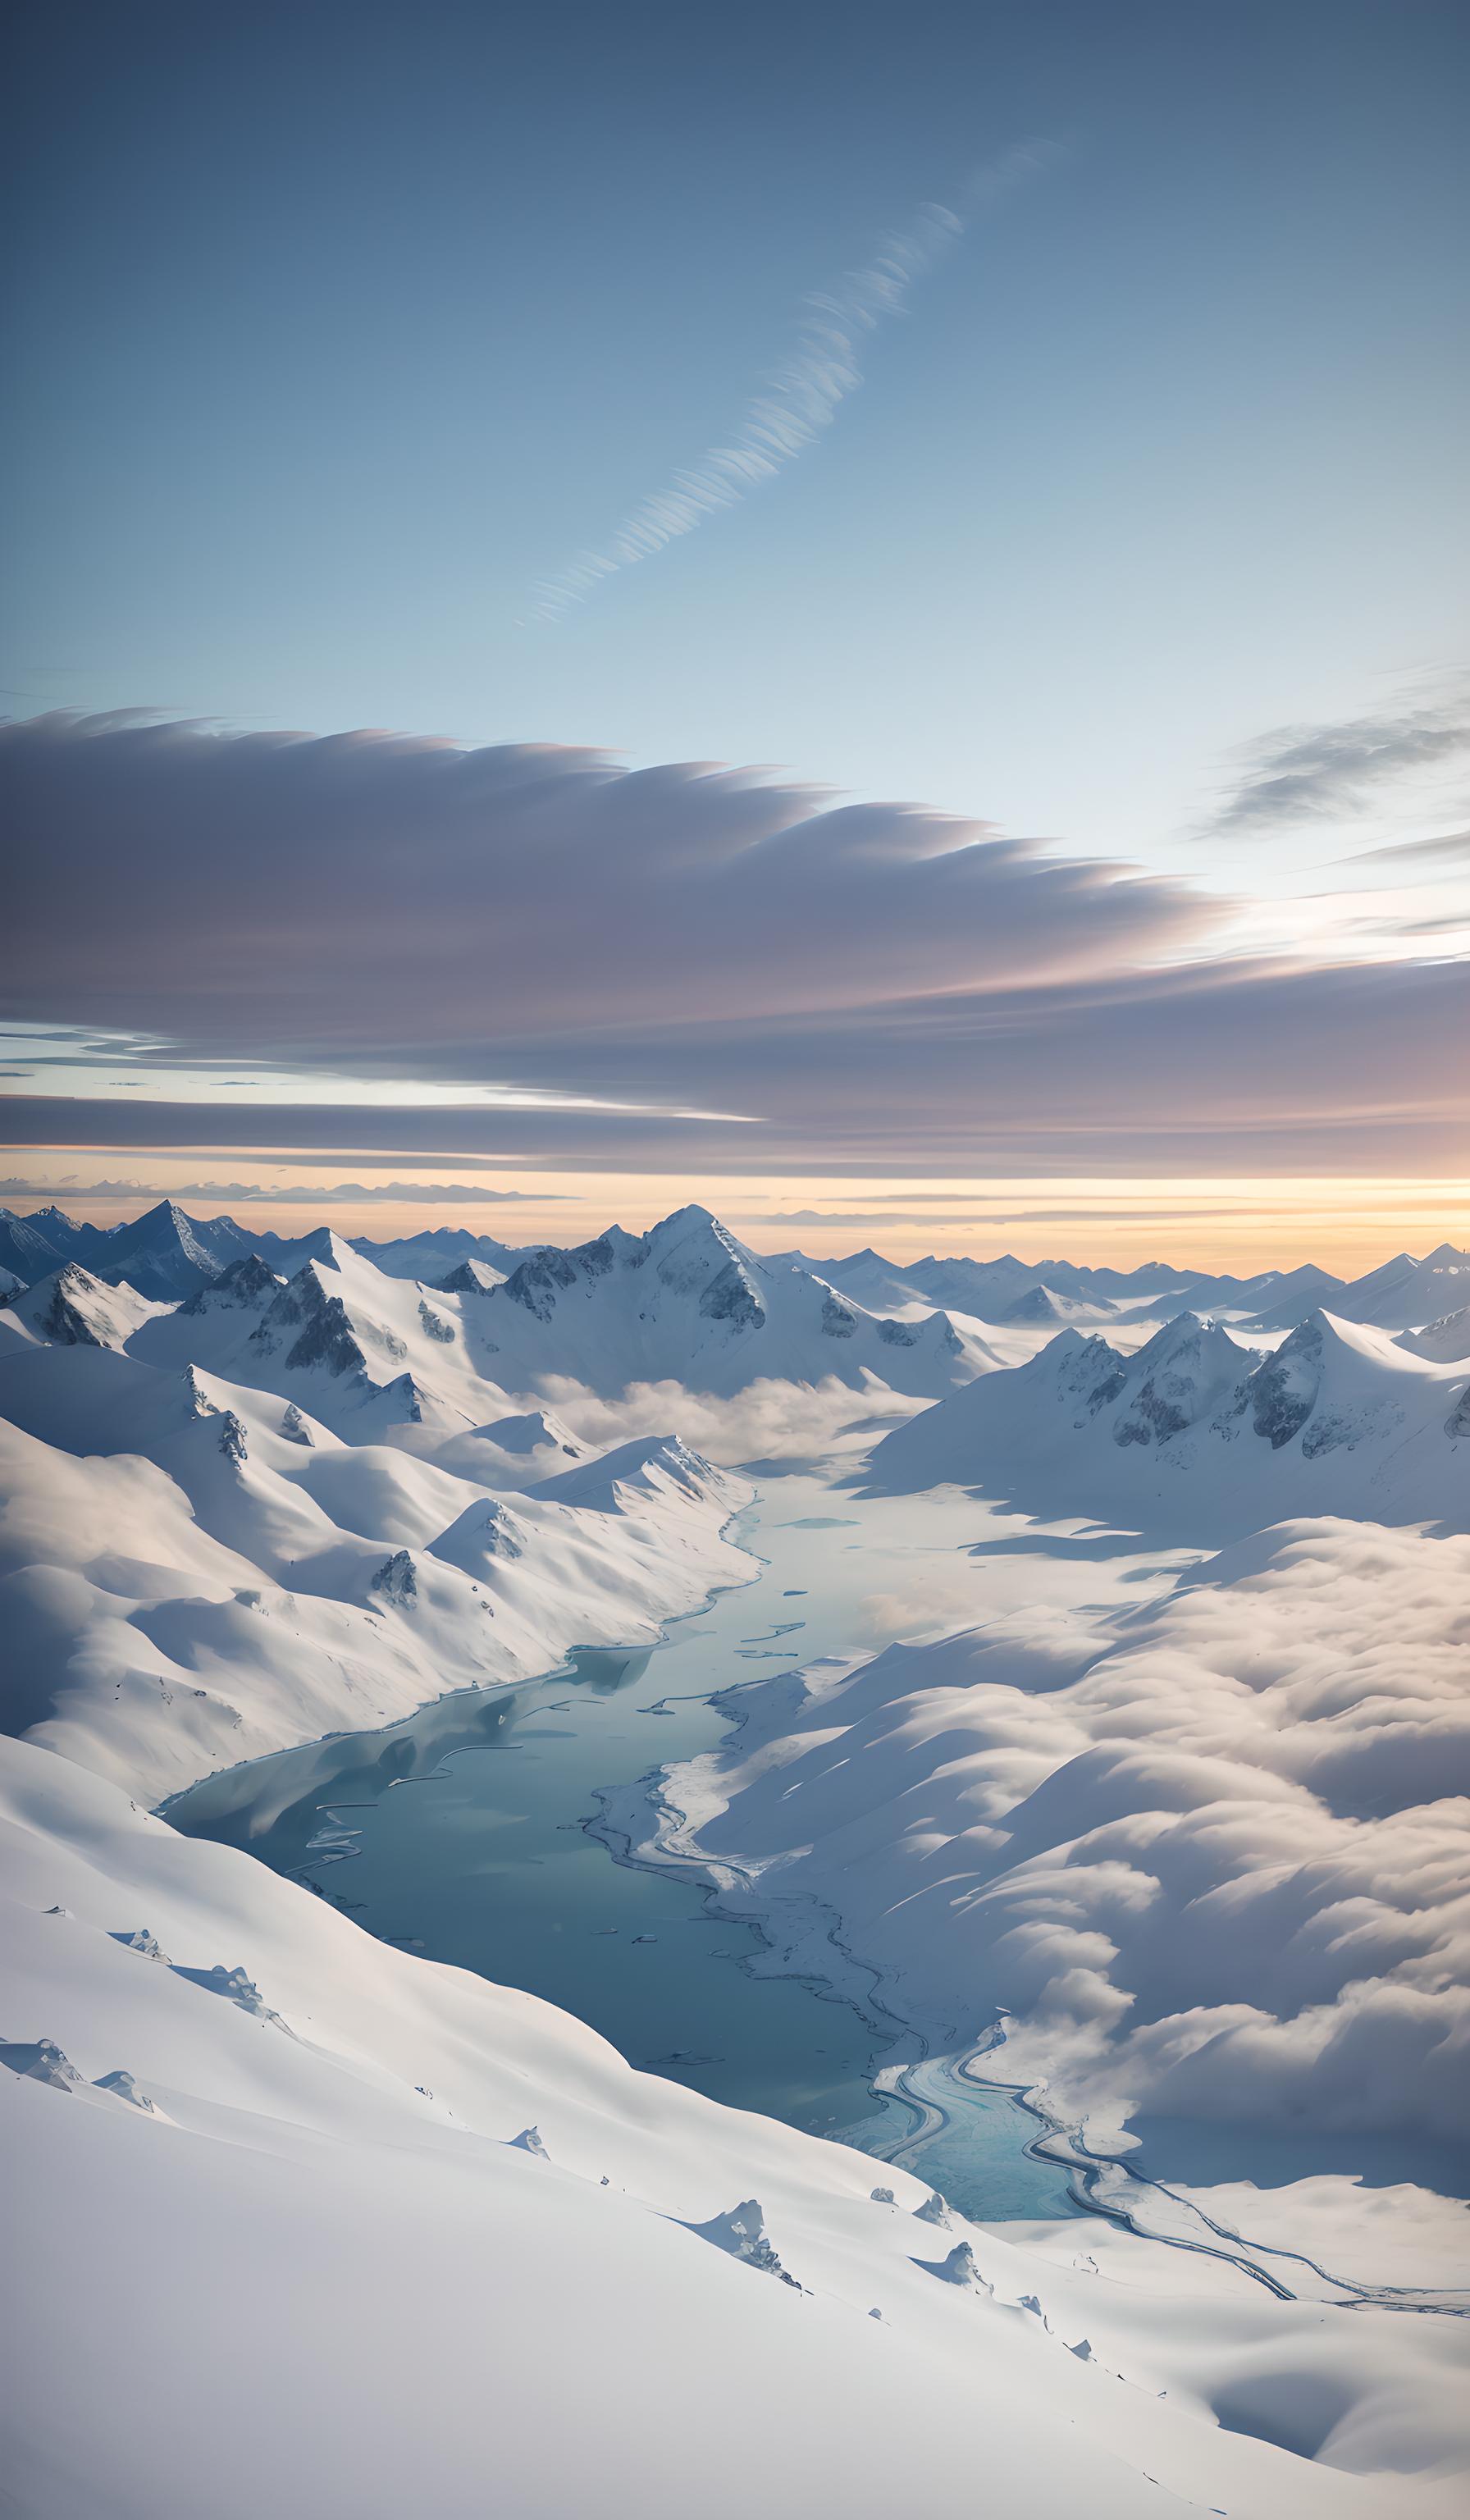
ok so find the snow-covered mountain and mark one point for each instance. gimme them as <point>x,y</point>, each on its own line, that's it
<point>471,1276</point>
<point>74,1309</point>
<point>1407,1293</point>
<point>31,1247</point>
<point>1197,1432</point>
<point>194,1571</point>
<point>167,1254</point>
<point>433,1253</point>
<point>366,1351</point>
<point>1045,1305</point>
<point>689,1303</point>
<point>883,1285</point>
<point>1446,1341</point>
<point>986,1289</point>
<point>1001,1290</point>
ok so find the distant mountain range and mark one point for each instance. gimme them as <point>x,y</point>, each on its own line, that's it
<point>166,1254</point>
<point>362,1349</point>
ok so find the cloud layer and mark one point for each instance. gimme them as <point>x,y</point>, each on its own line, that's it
<point>1214,1859</point>
<point>880,985</point>
<point>1337,771</point>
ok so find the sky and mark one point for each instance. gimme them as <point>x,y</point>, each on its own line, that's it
<point>870,613</point>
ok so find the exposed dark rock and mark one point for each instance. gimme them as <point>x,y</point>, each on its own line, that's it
<point>248,1282</point>
<point>396,1580</point>
<point>731,1298</point>
<point>538,1282</point>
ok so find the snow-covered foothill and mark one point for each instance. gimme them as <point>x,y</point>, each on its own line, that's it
<point>192,1572</point>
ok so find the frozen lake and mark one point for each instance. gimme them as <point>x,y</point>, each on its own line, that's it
<point>469,1832</point>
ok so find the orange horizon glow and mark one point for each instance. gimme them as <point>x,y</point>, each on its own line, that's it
<point>1344,1222</point>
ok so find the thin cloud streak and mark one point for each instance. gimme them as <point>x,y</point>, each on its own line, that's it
<point>399,1193</point>
<point>1305,773</point>
<point>800,400</point>
<point>1451,849</point>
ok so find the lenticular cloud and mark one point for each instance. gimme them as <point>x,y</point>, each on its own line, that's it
<point>873,985</point>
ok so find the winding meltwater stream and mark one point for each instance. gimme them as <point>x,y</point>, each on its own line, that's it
<point>476,1833</point>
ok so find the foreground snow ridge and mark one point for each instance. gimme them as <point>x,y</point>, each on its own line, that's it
<point>500,2220</point>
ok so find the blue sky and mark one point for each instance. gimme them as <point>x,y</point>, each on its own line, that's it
<point>343,328</point>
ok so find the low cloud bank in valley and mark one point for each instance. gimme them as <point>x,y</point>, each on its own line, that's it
<point>1215,1856</point>
<point>768,1421</point>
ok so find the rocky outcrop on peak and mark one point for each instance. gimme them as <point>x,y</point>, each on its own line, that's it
<point>395,1580</point>
<point>539,1281</point>
<point>470,1278</point>
<point>1356,1423</point>
<point>247,1282</point>
<point>731,1298</point>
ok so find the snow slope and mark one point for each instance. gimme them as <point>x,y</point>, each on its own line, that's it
<point>71,1308</point>
<point>192,1572</point>
<point>1445,1342</point>
<point>304,2223</point>
<point>364,1352</point>
<point>372,1354</point>
<point>1195,1433</point>
<point>431,1255</point>
<point>690,1302</point>
<point>1407,1293</point>
<point>1211,1858</point>
<point>167,1254</point>
<point>33,1246</point>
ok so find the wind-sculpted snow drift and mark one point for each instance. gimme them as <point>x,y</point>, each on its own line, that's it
<point>1210,1859</point>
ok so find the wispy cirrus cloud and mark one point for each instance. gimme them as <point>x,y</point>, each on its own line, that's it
<point>1338,771</point>
<point>800,399</point>
<point>1451,849</point>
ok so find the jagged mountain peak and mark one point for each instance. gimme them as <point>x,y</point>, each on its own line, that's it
<point>71,1308</point>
